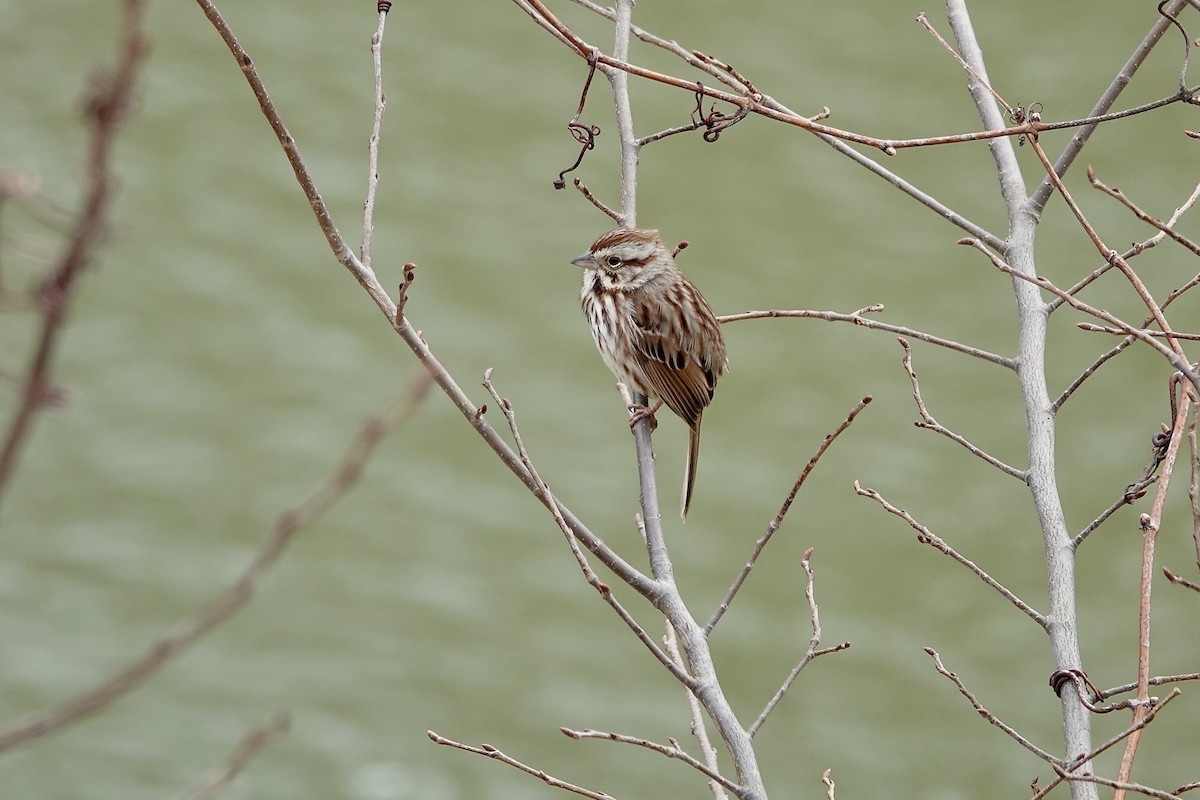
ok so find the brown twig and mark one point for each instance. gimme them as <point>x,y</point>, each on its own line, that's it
<point>1165,228</point>
<point>777,521</point>
<point>672,750</point>
<point>596,201</point>
<point>1177,361</point>
<point>926,536</point>
<point>1105,251</point>
<point>858,318</point>
<point>1135,250</point>
<point>1179,580</point>
<point>542,491</point>
<point>246,751</point>
<point>408,333</point>
<point>1121,786</point>
<point>234,598</point>
<point>1010,731</point>
<point>491,752</point>
<point>1194,487</point>
<point>1150,524</point>
<point>924,22</point>
<point>929,423</point>
<point>754,104</point>
<point>1113,741</point>
<point>812,652</point>
<point>106,108</point>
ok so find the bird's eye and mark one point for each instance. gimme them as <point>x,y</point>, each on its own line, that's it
<point>613,261</point>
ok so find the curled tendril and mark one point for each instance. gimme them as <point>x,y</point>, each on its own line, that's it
<point>586,136</point>
<point>580,132</point>
<point>714,122</point>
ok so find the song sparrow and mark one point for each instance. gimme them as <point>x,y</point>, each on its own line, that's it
<point>653,328</point>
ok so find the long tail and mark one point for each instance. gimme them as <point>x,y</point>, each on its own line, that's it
<point>689,473</point>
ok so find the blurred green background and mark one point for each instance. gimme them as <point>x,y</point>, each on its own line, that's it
<point>218,361</point>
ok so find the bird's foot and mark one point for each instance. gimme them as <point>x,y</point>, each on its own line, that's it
<point>638,412</point>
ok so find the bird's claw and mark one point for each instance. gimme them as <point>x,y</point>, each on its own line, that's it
<point>639,412</point>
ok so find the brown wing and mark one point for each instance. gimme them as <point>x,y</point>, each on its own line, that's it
<point>680,348</point>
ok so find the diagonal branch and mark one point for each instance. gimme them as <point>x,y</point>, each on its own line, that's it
<point>233,599</point>
<point>929,423</point>
<point>107,108</point>
<point>926,536</point>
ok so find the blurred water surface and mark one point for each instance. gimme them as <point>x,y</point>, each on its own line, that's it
<point>218,362</point>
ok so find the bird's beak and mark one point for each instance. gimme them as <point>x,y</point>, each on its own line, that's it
<point>584,260</point>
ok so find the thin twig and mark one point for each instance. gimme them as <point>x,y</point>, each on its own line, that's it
<point>1133,493</point>
<point>1137,249</point>
<point>1121,786</point>
<point>246,751</point>
<point>827,779</point>
<point>239,593</point>
<point>1158,680</point>
<point>812,652</point>
<point>929,423</point>
<point>983,712</point>
<point>1164,227</point>
<point>596,201</point>
<point>672,750</point>
<point>777,522</point>
<point>926,536</point>
<point>542,491</point>
<point>548,20</point>
<point>1105,251</point>
<point>1177,361</point>
<point>106,108</point>
<point>373,141</point>
<point>858,318</point>
<point>491,752</point>
<point>1113,741</point>
<point>1179,580</point>
<point>1150,524</point>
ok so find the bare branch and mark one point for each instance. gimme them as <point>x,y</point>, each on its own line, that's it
<point>672,750</point>
<point>777,522</point>
<point>858,318</point>
<point>926,536</point>
<point>1010,731</point>
<point>929,423</point>
<point>225,605</point>
<point>373,141</point>
<point>1180,581</point>
<point>496,755</point>
<point>814,650</point>
<point>106,108</point>
<point>246,751</point>
<point>542,491</point>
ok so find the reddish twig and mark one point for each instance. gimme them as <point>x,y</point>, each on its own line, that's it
<point>106,108</point>
<point>1150,524</point>
<point>234,598</point>
<point>246,750</point>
